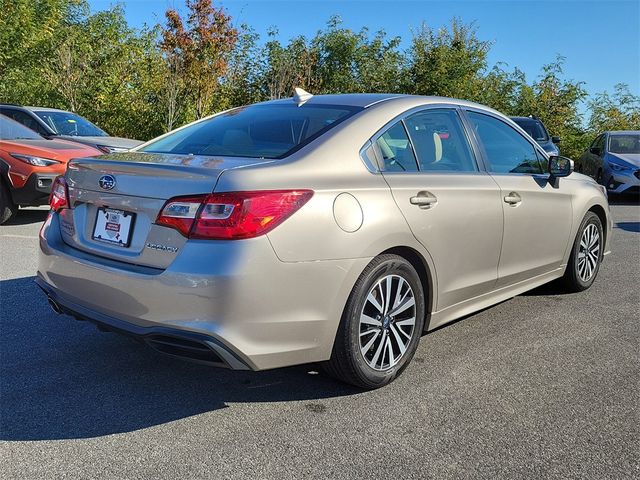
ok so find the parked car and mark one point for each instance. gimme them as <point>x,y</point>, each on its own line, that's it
<point>613,159</point>
<point>51,122</point>
<point>332,229</point>
<point>28,165</point>
<point>536,130</point>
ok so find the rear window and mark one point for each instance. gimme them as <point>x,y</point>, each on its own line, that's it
<point>256,131</point>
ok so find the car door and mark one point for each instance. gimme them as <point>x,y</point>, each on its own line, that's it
<point>452,207</point>
<point>537,211</point>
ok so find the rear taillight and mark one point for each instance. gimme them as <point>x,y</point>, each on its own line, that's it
<point>232,215</point>
<point>59,197</point>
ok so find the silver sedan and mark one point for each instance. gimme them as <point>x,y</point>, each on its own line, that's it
<point>333,229</point>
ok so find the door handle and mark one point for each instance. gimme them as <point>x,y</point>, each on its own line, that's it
<point>513,199</point>
<point>424,200</point>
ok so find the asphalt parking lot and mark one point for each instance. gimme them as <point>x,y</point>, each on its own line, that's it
<point>544,385</point>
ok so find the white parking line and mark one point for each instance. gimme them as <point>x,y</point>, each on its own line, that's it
<point>10,235</point>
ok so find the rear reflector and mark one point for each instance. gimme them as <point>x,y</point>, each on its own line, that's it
<point>231,215</point>
<point>59,197</point>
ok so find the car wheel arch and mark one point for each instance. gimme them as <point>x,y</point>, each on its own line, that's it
<point>425,272</point>
<point>602,215</point>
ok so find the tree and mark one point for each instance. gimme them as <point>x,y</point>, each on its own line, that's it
<point>199,52</point>
<point>619,111</point>
<point>448,62</point>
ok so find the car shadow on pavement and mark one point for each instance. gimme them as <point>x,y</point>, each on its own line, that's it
<point>628,226</point>
<point>63,379</point>
<point>28,216</point>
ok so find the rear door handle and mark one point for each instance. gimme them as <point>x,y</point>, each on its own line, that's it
<point>513,198</point>
<point>424,200</point>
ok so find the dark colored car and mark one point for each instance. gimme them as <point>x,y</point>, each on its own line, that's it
<point>613,159</point>
<point>536,130</point>
<point>28,165</point>
<point>51,122</point>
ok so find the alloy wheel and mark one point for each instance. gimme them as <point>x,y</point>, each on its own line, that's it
<point>387,322</point>
<point>589,252</point>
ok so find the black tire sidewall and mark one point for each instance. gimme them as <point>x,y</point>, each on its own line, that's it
<point>589,219</point>
<point>396,266</point>
<point>7,207</point>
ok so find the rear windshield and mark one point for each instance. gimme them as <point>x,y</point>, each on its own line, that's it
<point>534,129</point>
<point>12,130</point>
<point>629,143</point>
<point>67,123</point>
<point>257,131</point>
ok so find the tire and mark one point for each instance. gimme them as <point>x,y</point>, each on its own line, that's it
<point>377,338</point>
<point>584,263</point>
<point>7,208</point>
<point>598,178</point>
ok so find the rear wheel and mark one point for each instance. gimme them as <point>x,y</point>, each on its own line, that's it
<point>7,208</point>
<point>381,324</point>
<point>586,255</point>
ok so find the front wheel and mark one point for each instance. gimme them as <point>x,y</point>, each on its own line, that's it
<point>381,324</point>
<point>586,255</point>
<point>7,208</point>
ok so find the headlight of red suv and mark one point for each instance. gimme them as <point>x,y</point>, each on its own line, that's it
<point>35,161</point>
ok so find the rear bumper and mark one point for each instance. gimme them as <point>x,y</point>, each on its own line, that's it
<point>188,345</point>
<point>237,297</point>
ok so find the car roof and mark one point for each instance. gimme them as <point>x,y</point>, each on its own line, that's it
<point>365,100</point>
<point>622,132</point>
<point>33,109</point>
<point>45,109</point>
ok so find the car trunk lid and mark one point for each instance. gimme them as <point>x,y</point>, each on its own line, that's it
<point>116,199</point>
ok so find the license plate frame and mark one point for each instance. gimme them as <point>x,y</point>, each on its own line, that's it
<point>105,231</point>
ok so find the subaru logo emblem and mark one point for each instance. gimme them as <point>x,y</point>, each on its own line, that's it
<point>107,182</point>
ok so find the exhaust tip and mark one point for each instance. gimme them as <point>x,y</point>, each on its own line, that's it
<point>54,306</point>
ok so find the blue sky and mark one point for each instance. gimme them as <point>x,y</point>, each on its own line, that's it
<point>600,39</point>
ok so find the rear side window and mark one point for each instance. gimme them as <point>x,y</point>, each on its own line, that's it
<point>507,151</point>
<point>257,131</point>
<point>395,150</point>
<point>440,142</point>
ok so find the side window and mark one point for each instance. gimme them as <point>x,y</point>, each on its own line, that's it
<point>506,149</point>
<point>440,142</point>
<point>600,144</point>
<point>395,150</point>
<point>25,119</point>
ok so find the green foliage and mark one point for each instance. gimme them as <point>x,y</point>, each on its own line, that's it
<point>620,111</point>
<point>140,83</point>
<point>448,62</point>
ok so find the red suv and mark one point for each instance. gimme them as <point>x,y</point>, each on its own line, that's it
<point>28,165</point>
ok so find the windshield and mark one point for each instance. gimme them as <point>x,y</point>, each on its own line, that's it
<point>533,128</point>
<point>257,131</point>
<point>12,130</point>
<point>628,143</point>
<point>67,123</point>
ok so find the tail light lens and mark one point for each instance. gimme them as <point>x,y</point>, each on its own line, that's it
<point>59,197</point>
<point>232,215</point>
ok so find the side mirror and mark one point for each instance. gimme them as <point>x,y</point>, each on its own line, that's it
<point>555,140</point>
<point>560,166</point>
<point>595,150</point>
